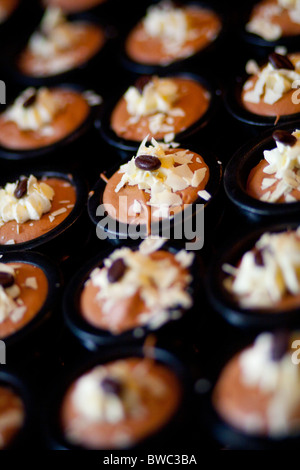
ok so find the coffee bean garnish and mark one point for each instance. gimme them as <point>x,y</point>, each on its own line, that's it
<point>147,162</point>
<point>284,137</point>
<point>116,270</point>
<point>21,188</point>
<point>280,61</point>
<point>258,257</point>
<point>111,386</point>
<point>6,279</point>
<point>142,81</point>
<point>280,345</point>
<point>30,101</point>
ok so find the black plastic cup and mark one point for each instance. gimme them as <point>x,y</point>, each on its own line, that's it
<point>197,62</point>
<point>94,338</point>
<point>68,235</point>
<point>126,147</point>
<point>40,328</point>
<point>121,233</point>
<point>65,147</point>
<point>82,73</point>
<point>228,435</point>
<point>223,302</point>
<point>160,439</point>
<point>8,378</point>
<point>235,181</point>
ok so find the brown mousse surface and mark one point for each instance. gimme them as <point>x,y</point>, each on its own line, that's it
<point>158,409</point>
<point>193,99</point>
<point>124,313</point>
<point>255,179</point>
<point>71,6</point>
<point>92,38</point>
<point>237,402</point>
<point>111,199</point>
<point>33,299</point>
<point>65,195</point>
<point>288,27</point>
<point>74,111</point>
<point>145,49</point>
<point>11,415</point>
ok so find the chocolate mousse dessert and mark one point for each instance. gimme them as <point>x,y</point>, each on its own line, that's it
<point>258,390</point>
<point>12,415</point>
<point>7,7</point>
<point>266,278</point>
<point>60,45</point>
<point>169,33</point>
<point>271,89</point>
<point>161,107</point>
<point>23,291</point>
<point>275,19</point>
<point>155,184</point>
<point>118,404</point>
<point>41,117</point>
<point>29,208</point>
<point>135,288</point>
<point>276,177</point>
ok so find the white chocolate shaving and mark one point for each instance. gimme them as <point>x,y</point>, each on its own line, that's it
<point>35,203</point>
<point>262,286</point>
<point>37,116</point>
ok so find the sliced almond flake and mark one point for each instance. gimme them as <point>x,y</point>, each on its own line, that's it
<point>20,302</point>
<point>227,268</point>
<point>198,177</point>
<point>10,242</point>
<point>265,197</point>
<point>70,206</point>
<point>18,229</point>
<point>204,194</point>
<point>279,191</point>
<point>59,212</point>
<point>64,202</point>
<point>198,160</point>
<point>51,218</point>
<point>18,313</point>
<point>268,182</point>
<point>290,198</point>
<point>31,224</point>
<point>169,137</point>
<point>184,258</point>
<point>92,98</point>
<point>66,184</point>
<point>31,282</point>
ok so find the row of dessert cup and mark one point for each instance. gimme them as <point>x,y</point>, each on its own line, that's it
<point>55,424</point>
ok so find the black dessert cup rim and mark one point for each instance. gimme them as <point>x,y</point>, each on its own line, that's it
<point>237,172</point>
<point>53,430</point>
<point>181,63</point>
<point>38,153</point>
<point>47,80</point>
<point>81,191</point>
<point>229,435</point>
<point>256,319</point>
<point>54,284</point>
<point>10,379</point>
<point>122,230</point>
<point>95,337</point>
<point>234,106</point>
<point>108,134</point>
